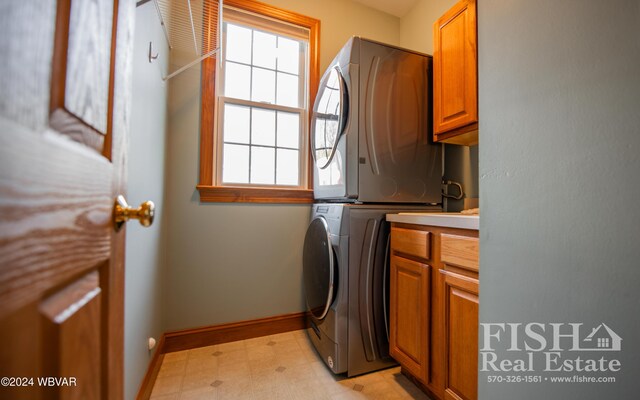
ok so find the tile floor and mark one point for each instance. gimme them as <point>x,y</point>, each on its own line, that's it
<point>283,366</point>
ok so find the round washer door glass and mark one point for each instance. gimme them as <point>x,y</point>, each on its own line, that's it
<point>318,268</point>
<point>328,117</point>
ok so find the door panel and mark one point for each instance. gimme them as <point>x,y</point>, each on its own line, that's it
<point>410,293</point>
<point>25,44</point>
<point>55,216</point>
<point>70,314</point>
<point>88,62</point>
<point>461,335</point>
<point>81,80</point>
<point>450,35</point>
<point>61,167</point>
<point>455,71</point>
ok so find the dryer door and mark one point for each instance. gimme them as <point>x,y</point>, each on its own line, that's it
<point>318,268</point>
<point>329,117</point>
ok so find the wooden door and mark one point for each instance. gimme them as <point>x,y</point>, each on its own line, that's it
<point>409,315</point>
<point>455,70</point>
<point>461,336</point>
<point>64,101</point>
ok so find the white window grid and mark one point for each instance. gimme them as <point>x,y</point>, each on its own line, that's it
<point>302,111</point>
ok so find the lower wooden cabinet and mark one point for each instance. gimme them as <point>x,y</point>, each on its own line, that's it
<point>409,333</point>
<point>461,337</point>
<point>434,308</point>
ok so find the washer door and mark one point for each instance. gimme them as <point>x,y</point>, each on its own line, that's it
<point>318,268</point>
<point>329,117</point>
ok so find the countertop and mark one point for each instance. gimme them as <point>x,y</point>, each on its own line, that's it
<point>449,220</point>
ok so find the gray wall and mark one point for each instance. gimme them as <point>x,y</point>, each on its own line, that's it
<point>225,262</point>
<point>205,264</point>
<point>416,33</point>
<point>559,165</point>
<point>146,170</point>
<point>231,262</point>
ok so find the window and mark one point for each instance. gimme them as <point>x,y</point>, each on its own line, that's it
<point>262,114</point>
<point>266,77</point>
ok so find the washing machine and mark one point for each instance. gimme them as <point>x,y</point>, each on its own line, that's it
<point>346,283</point>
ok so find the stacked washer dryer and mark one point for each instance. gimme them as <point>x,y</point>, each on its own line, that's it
<point>370,137</point>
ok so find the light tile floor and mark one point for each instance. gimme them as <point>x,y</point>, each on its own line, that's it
<point>283,366</point>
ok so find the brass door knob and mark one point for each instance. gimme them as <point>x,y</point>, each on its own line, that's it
<point>122,213</point>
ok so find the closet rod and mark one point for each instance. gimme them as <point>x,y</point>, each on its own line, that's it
<point>191,64</point>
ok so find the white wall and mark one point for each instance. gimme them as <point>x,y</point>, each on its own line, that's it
<point>146,170</point>
<point>559,164</point>
<point>341,19</point>
<point>230,262</point>
<point>416,28</point>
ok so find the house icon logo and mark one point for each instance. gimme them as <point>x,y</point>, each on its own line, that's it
<point>601,338</point>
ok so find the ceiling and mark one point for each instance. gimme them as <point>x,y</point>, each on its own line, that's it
<point>398,8</point>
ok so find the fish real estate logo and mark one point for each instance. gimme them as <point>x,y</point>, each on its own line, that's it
<point>549,347</point>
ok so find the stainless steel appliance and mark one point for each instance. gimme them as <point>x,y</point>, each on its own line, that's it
<point>346,281</point>
<point>370,128</point>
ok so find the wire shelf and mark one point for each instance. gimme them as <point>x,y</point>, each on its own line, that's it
<point>190,27</point>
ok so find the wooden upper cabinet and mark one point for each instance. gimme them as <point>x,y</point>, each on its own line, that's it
<point>455,75</point>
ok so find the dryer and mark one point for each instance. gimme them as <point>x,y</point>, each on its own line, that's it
<point>346,282</point>
<point>371,127</point>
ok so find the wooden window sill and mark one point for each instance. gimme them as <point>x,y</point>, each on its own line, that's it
<point>227,194</point>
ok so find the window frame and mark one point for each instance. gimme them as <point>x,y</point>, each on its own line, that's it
<point>209,116</point>
<point>302,110</point>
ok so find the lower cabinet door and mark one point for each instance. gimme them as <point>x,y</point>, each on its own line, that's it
<point>461,337</point>
<point>409,315</point>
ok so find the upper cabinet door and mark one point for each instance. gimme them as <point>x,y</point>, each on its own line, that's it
<point>455,75</point>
